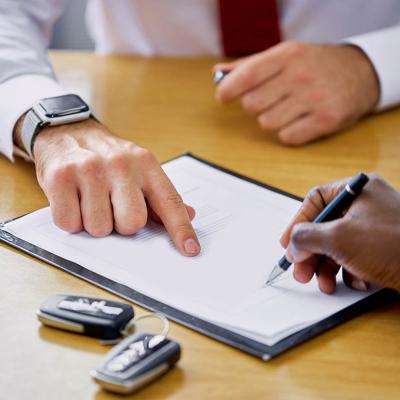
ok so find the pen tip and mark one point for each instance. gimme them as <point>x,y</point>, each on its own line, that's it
<point>276,271</point>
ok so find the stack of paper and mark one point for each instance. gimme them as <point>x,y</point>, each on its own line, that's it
<point>239,225</point>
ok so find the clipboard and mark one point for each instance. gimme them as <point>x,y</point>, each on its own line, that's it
<point>211,330</point>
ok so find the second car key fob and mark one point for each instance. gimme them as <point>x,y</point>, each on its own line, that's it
<point>135,362</point>
<point>100,318</point>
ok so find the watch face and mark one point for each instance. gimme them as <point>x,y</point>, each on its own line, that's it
<point>63,105</point>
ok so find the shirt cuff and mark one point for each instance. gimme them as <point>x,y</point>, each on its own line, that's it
<point>382,48</point>
<point>17,96</point>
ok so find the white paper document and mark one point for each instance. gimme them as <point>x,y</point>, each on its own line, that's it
<point>239,225</point>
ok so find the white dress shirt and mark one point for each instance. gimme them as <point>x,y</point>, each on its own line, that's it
<point>178,27</point>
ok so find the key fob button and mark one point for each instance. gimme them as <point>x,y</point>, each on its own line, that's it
<point>156,341</point>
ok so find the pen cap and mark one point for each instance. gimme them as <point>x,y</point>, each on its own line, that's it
<point>358,182</point>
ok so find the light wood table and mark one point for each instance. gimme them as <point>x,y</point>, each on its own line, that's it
<point>167,105</point>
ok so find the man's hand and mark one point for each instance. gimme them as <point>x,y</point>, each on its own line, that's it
<point>365,241</point>
<point>302,91</point>
<point>99,182</point>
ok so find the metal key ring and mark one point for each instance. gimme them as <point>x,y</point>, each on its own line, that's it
<point>131,325</point>
<point>128,330</point>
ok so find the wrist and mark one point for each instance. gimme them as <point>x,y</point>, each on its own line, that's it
<point>61,135</point>
<point>52,111</point>
<point>48,132</point>
<point>368,81</point>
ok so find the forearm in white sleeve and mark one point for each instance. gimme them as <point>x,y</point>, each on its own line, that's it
<point>383,49</point>
<point>25,71</point>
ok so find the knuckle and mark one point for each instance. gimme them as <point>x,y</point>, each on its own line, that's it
<point>249,103</point>
<point>174,200</point>
<point>317,95</point>
<point>132,224</point>
<point>314,193</point>
<point>89,165</point>
<point>294,49</point>
<point>299,234</point>
<point>144,156</point>
<point>58,176</point>
<point>120,161</point>
<point>375,178</point>
<point>248,76</point>
<point>315,199</point>
<point>328,117</point>
<point>302,76</point>
<point>183,229</point>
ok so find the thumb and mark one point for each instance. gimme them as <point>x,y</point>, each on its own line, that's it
<point>322,239</point>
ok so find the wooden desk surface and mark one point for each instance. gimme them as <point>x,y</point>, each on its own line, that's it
<point>167,105</point>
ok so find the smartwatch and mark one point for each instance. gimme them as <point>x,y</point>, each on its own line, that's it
<point>52,111</point>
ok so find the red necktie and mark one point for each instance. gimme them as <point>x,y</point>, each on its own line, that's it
<point>248,26</point>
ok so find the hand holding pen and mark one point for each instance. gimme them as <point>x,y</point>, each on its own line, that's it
<point>291,93</point>
<point>365,241</point>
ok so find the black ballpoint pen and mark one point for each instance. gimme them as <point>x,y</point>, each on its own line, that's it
<point>332,211</point>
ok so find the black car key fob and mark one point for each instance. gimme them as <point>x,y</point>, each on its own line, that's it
<point>99,318</point>
<point>135,362</point>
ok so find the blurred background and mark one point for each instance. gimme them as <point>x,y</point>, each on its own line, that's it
<point>70,31</point>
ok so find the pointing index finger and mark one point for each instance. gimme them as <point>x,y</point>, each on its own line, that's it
<point>168,205</point>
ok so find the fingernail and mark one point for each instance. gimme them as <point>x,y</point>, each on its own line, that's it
<point>359,284</point>
<point>191,247</point>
